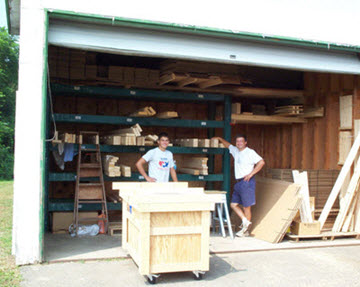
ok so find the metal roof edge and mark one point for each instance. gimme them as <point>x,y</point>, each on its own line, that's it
<point>205,31</point>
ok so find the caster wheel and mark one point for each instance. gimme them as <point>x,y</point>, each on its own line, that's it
<point>152,281</point>
<point>198,277</point>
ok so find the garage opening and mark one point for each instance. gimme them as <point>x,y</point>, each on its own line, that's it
<point>288,116</point>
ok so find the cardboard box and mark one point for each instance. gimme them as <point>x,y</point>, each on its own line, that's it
<point>302,228</point>
<point>62,220</point>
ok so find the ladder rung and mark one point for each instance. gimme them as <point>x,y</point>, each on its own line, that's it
<point>88,149</point>
<point>92,219</point>
<point>81,201</point>
<point>90,184</point>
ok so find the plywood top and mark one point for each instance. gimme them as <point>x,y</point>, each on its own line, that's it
<point>164,197</point>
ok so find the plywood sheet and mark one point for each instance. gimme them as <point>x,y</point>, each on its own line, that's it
<point>277,203</point>
<point>345,139</point>
<point>346,104</point>
<point>173,249</point>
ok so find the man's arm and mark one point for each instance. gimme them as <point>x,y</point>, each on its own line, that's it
<point>139,166</point>
<point>224,142</point>
<point>173,174</point>
<point>256,169</point>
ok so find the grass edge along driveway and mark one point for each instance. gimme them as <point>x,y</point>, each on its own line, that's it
<point>9,272</point>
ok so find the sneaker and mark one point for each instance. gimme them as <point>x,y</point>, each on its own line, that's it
<point>244,228</point>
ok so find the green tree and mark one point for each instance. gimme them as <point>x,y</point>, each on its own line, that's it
<point>9,55</point>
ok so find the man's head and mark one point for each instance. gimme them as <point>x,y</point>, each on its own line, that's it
<point>163,140</point>
<point>241,141</point>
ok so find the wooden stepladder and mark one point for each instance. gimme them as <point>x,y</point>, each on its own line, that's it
<point>89,166</point>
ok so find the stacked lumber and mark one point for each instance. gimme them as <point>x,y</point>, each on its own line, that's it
<point>126,136</point>
<point>150,140</point>
<point>187,142</point>
<point>313,112</point>
<point>181,74</point>
<point>292,110</point>
<point>125,170</point>
<point>194,166</point>
<point>144,112</point>
<point>194,142</point>
<point>109,166</point>
<point>167,115</point>
<point>67,137</point>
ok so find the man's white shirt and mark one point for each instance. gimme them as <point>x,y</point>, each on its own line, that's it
<point>244,161</point>
<point>160,163</point>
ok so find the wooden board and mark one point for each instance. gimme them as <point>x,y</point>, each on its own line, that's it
<point>340,180</point>
<point>324,236</point>
<point>277,203</point>
<point>248,119</point>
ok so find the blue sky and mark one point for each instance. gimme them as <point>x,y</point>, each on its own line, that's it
<point>3,21</point>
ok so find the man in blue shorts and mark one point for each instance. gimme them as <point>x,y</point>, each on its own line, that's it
<point>247,163</point>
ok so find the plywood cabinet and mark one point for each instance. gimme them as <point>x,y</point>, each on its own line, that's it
<point>166,227</point>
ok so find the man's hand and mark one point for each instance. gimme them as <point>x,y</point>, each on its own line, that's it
<point>247,177</point>
<point>150,179</point>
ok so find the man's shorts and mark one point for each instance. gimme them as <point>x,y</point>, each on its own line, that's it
<point>244,192</point>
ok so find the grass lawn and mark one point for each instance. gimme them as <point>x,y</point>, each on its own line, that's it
<point>9,272</point>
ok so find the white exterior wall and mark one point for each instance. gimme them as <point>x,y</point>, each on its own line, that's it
<point>28,144</point>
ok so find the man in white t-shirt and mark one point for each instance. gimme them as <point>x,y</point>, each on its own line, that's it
<point>246,164</point>
<point>161,162</point>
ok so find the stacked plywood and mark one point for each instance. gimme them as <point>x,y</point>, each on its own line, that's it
<point>277,203</point>
<point>194,165</point>
<point>320,182</point>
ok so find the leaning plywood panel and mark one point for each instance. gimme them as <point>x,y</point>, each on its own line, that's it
<point>277,203</point>
<point>346,107</point>
<point>339,181</point>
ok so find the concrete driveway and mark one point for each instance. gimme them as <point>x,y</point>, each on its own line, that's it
<point>335,266</point>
